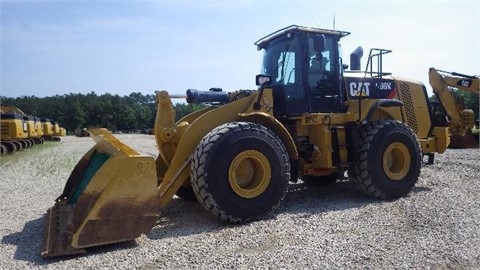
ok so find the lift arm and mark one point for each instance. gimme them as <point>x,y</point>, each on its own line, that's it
<point>461,119</point>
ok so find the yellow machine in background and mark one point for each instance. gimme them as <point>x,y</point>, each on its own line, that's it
<point>310,119</point>
<point>14,130</point>
<point>51,130</point>
<point>452,112</point>
<point>19,130</point>
<point>34,128</point>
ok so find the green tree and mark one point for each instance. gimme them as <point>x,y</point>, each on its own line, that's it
<point>182,109</point>
<point>73,111</point>
<point>471,100</point>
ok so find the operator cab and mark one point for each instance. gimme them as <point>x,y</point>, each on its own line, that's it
<point>305,69</point>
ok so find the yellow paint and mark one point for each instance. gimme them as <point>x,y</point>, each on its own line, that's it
<point>249,174</point>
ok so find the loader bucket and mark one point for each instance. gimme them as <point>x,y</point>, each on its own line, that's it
<point>110,196</point>
<point>467,140</point>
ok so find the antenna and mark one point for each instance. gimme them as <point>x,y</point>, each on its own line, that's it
<point>313,19</point>
<point>334,20</point>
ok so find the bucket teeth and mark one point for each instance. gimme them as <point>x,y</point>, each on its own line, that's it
<point>57,240</point>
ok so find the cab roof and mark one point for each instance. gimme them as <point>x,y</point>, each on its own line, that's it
<point>265,40</point>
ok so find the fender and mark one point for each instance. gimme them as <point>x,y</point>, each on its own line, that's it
<point>385,103</point>
<point>177,171</point>
<point>273,124</point>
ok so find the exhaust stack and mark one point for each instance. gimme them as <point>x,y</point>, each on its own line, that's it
<point>355,58</point>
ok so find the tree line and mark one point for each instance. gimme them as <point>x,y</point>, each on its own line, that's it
<point>132,113</point>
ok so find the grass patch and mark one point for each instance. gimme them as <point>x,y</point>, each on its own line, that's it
<point>21,155</point>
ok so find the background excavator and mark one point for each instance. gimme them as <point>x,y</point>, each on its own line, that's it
<point>14,130</point>
<point>310,119</point>
<point>451,111</point>
<point>19,130</point>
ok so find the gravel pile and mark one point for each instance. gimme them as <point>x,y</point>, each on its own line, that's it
<point>437,226</point>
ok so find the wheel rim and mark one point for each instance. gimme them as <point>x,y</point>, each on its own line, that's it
<point>249,174</point>
<point>396,161</point>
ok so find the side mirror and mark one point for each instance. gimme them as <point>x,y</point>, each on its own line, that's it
<point>319,43</point>
<point>263,80</point>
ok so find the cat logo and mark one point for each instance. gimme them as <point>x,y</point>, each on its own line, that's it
<point>358,89</point>
<point>464,83</point>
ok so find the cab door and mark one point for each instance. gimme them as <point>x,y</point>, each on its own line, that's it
<point>283,60</point>
<point>322,73</point>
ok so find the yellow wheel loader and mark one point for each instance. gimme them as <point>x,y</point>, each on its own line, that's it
<point>310,119</point>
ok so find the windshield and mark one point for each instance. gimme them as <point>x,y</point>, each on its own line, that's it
<point>279,61</point>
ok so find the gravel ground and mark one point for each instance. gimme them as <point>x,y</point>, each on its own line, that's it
<point>436,227</point>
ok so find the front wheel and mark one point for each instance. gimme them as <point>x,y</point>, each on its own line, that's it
<point>240,171</point>
<point>390,159</point>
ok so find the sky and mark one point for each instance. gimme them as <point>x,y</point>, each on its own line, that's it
<point>58,47</point>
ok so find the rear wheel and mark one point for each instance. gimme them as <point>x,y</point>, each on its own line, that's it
<point>390,159</point>
<point>240,171</point>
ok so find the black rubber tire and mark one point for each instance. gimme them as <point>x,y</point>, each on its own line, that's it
<point>29,143</point>
<point>23,143</point>
<point>3,149</point>
<point>32,143</point>
<point>375,138</point>
<point>10,146</point>
<point>18,145</point>
<point>210,171</point>
<point>294,171</point>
